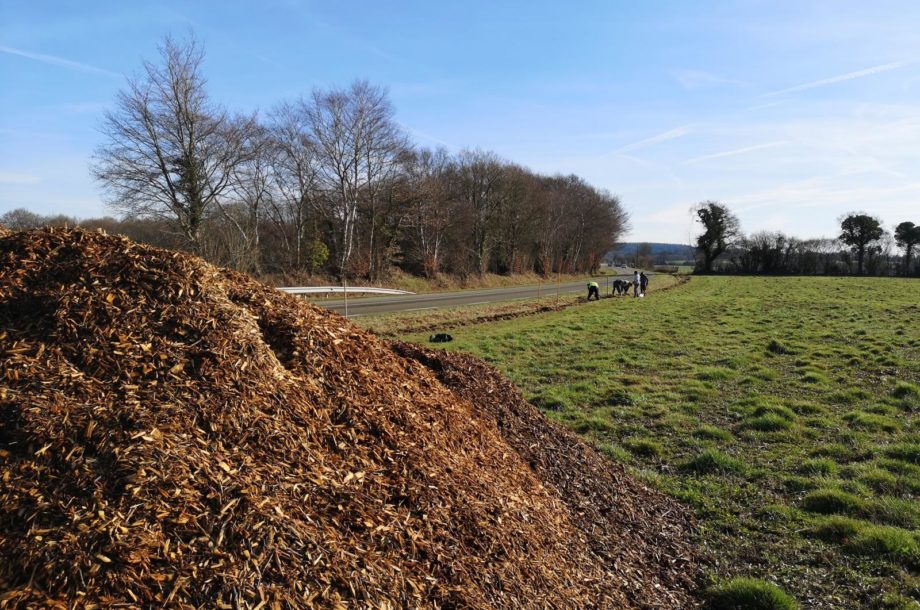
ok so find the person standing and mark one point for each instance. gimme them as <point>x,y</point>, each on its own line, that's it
<point>593,291</point>
<point>643,282</point>
<point>636,280</point>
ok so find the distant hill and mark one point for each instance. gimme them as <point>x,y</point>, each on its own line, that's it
<point>658,251</point>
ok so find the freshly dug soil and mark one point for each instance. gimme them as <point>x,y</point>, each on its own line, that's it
<point>173,434</point>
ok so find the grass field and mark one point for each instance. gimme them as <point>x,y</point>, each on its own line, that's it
<point>784,411</point>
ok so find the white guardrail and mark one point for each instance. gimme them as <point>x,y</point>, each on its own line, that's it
<point>332,290</point>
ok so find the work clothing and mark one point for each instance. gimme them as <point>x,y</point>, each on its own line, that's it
<point>593,291</point>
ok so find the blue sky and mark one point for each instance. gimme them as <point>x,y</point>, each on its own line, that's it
<point>792,113</point>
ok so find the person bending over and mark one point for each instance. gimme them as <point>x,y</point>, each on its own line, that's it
<point>593,291</point>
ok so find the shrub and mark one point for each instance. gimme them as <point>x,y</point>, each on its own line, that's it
<point>748,594</point>
<point>837,529</point>
<point>713,461</point>
<point>831,501</point>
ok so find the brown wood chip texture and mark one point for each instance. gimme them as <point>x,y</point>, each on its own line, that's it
<point>177,435</point>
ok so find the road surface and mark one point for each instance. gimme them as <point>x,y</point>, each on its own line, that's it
<point>435,300</point>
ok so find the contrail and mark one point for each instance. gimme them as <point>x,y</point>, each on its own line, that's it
<point>671,134</point>
<point>737,151</point>
<point>58,61</point>
<point>842,77</point>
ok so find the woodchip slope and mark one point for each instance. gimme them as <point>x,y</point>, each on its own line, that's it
<point>177,435</point>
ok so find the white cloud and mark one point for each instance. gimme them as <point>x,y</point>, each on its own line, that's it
<point>18,178</point>
<point>57,61</point>
<point>677,214</point>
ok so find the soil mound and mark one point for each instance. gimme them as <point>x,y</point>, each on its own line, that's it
<point>174,434</point>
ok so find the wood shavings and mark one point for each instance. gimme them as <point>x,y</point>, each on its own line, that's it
<point>178,435</point>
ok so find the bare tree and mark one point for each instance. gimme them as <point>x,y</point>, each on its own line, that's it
<point>248,193</point>
<point>294,206</point>
<point>430,176</point>
<point>384,145</point>
<point>479,175</point>
<point>21,219</point>
<point>169,152</point>
<point>357,142</point>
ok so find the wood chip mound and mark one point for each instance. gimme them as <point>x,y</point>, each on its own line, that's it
<point>173,434</point>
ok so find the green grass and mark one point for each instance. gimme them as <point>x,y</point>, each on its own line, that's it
<point>832,501</point>
<point>837,529</point>
<point>749,594</point>
<point>644,447</point>
<point>885,542</point>
<point>871,422</point>
<point>905,452</point>
<point>767,405</point>
<point>713,433</point>
<point>769,422</point>
<point>713,461</point>
<point>819,467</point>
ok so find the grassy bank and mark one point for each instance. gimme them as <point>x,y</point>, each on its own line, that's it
<point>783,410</point>
<point>449,318</point>
<point>440,283</point>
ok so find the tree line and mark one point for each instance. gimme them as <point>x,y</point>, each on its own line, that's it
<point>329,183</point>
<point>863,246</point>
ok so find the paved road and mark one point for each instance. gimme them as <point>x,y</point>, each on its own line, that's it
<point>419,302</point>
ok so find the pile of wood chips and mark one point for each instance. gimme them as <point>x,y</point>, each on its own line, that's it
<point>173,434</point>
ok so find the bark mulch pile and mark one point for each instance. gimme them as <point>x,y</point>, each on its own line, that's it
<point>173,434</point>
<point>640,535</point>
